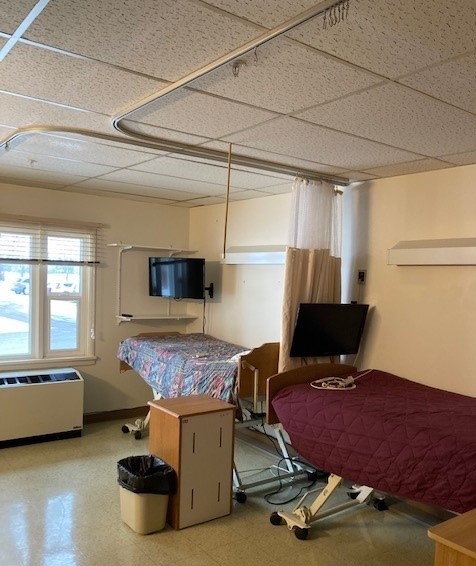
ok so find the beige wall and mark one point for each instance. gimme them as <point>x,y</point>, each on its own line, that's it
<point>246,308</point>
<point>423,323</point>
<point>423,319</point>
<point>130,222</point>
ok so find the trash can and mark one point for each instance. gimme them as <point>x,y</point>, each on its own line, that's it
<point>145,485</point>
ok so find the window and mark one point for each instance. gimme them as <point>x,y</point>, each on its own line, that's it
<point>47,276</point>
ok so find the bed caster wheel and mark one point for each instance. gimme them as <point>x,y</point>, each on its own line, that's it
<point>275,519</point>
<point>352,494</point>
<point>301,534</point>
<point>312,476</point>
<point>240,496</point>
<point>137,434</point>
<point>379,504</point>
<point>125,429</point>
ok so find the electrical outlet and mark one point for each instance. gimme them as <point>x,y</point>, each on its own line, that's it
<point>361,276</point>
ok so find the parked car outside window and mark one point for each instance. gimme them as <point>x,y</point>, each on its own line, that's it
<point>21,286</point>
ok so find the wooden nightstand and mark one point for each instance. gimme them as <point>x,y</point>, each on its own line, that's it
<point>195,435</point>
<point>455,540</point>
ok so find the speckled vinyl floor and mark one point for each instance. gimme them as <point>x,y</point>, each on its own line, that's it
<point>59,506</point>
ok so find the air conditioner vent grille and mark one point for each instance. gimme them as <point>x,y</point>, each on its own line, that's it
<point>41,378</point>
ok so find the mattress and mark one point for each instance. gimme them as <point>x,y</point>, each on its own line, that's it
<point>388,433</point>
<point>186,364</point>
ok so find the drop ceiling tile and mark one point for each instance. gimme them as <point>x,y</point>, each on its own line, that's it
<point>285,77</point>
<point>17,111</point>
<point>278,158</point>
<point>140,178</point>
<point>166,39</point>
<point>13,13</point>
<point>419,33</point>
<point>401,117</point>
<point>461,158</point>
<point>36,162</point>
<point>235,167</point>
<point>34,182</point>
<point>33,174</point>
<point>133,189</point>
<point>202,201</point>
<point>247,195</point>
<point>207,172</point>
<point>419,166</point>
<point>303,140</point>
<point>81,150</point>
<point>87,84</point>
<point>200,114</point>
<point>268,13</point>
<point>6,131</point>
<point>355,176</point>
<point>278,189</point>
<point>114,194</point>
<point>164,133</point>
<point>452,81</point>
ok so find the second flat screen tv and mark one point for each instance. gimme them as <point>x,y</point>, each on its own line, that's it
<point>328,329</point>
<point>177,277</point>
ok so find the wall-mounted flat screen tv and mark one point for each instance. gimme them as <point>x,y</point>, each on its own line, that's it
<point>177,277</point>
<point>328,329</point>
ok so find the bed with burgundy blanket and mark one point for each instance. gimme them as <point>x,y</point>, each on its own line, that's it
<point>390,433</point>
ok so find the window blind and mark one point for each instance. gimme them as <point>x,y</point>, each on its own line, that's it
<point>56,242</point>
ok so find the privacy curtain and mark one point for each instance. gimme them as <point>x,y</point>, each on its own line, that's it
<point>313,264</point>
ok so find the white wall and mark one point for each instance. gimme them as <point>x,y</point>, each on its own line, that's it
<point>130,222</point>
<point>423,323</point>
<point>247,306</point>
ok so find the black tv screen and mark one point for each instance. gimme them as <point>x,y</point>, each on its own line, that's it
<point>328,329</point>
<point>177,277</point>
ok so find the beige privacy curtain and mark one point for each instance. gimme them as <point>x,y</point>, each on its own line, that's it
<point>313,264</point>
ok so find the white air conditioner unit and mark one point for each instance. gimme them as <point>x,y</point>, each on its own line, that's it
<point>40,405</point>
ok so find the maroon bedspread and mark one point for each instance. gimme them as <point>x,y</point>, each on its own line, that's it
<point>388,433</point>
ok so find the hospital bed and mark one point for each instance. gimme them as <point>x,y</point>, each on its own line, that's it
<point>378,431</point>
<point>175,364</point>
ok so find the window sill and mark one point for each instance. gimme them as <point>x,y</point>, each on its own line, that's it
<point>52,363</point>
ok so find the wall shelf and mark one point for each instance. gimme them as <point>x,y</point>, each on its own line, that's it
<point>265,255</point>
<point>177,317</point>
<point>126,317</point>
<point>139,247</point>
<point>450,251</point>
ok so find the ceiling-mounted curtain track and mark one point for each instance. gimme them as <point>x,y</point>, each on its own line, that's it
<point>318,9</point>
<point>179,148</point>
<point>151,142</point>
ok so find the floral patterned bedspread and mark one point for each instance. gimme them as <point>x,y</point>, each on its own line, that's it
<point>186,364</point>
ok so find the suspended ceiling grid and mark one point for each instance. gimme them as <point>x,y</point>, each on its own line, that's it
<point>389,90</point>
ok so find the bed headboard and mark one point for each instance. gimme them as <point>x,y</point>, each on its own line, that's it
<point>304,374</point>
<point>264,360</point>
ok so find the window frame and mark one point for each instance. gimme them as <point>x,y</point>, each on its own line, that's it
<point>42,301</point>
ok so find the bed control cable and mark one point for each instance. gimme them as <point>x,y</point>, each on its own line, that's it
<point>337,383</point>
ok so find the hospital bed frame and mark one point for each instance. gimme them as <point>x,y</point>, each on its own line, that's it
<point>254,368</point>
<point>300,519</point>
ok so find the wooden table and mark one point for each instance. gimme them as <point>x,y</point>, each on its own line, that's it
<point>455,540</point>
